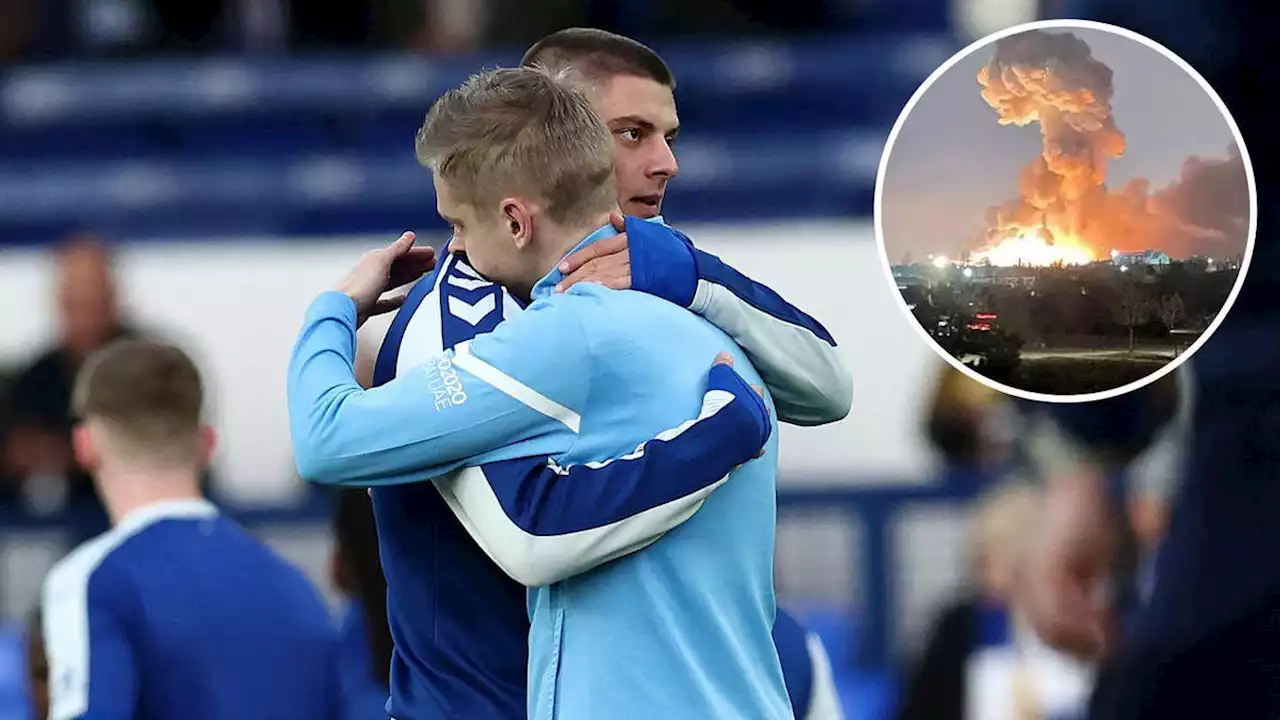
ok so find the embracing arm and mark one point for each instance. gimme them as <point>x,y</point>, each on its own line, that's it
<point>542,522</point>
<point>795,355</point>
<point>510,393</point>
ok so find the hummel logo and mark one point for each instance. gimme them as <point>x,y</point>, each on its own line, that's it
<point>471,313</point>
<point>467,283</point>
<point>466,269</point>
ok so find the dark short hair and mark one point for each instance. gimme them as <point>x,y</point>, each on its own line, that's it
<point>598,54</point>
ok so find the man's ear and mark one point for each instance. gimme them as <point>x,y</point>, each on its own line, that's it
<point>518,219</point>
<point>208,445</point>
<point>84,444</point>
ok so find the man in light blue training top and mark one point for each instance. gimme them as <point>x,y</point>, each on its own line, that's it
<point>633,91</point>
<point>590,377</point>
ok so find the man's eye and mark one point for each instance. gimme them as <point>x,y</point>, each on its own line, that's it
<point>631,134</point>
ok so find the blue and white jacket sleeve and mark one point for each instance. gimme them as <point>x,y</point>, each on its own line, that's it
<point>542,522</point>
<point>85,613</point>
<point>514,392</point>
<point>798,359</point>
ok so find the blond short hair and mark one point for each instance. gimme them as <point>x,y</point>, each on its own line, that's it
<point>148,395</point>
<point>521,131</point>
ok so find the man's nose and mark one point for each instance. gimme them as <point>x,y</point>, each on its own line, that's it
<point>664,164</point>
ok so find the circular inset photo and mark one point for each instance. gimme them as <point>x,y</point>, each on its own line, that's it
<point>1066,210</point>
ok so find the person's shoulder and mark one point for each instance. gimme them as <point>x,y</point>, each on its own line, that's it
<point>91,563</point>
<point>285,576</point>
<point>571,308</point>
<point>603,308</point>
<point>579,296</point>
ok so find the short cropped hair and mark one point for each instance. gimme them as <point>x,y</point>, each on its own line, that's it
<point>149,395</point>
<point>521,130</point>
<point>598,54</point>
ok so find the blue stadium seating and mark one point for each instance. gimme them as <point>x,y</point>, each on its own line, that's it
<point>323,145</point>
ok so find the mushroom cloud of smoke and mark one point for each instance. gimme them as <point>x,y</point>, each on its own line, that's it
<point>1054,80</point>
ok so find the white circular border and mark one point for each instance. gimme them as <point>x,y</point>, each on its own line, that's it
<point>1065,25</point>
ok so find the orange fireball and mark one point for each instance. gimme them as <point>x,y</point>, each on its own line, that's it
<point>1035,248</point>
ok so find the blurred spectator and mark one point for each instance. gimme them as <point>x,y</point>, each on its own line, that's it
<point>17,28</point>
<point>37,447</point>
<point>968,423</point>
<point>1149,515</point>
<point>62,29</point>
<point>78,29</point>
<point>441,26</point>
<point>1149,509</point>
<point>1156,474</point>
<point>937,687</point>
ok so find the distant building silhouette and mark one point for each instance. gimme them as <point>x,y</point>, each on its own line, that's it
<point>1144,257</point>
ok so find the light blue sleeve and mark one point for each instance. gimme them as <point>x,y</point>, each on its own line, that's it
<point>542,522</point>
<point>515,392</point>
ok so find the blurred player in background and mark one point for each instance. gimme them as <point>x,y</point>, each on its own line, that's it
<point>176,612</point>
<point>681,627</point>
<point>806,670</point>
